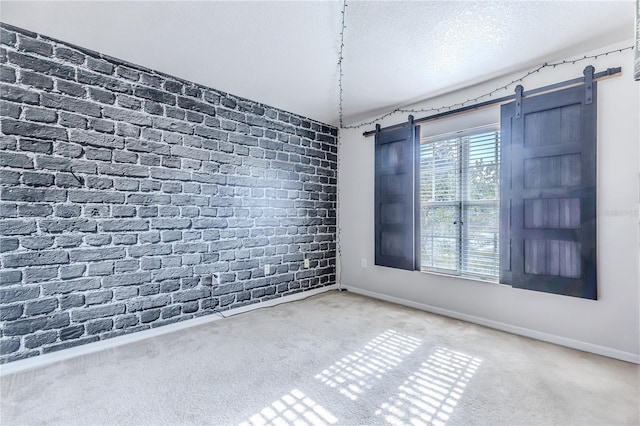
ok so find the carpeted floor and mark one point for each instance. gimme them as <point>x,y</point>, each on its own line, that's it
<point>335,358</point>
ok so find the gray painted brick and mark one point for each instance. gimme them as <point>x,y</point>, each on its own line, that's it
<point>9,345</point>
<point>8,244</point>
<point>71,104</point>
<point>172,273</point>
<point>123,211</point>
<point>70,286</point>
<point>141,304</point>
<point>68,240</point>
<point>103,126</point>
<point>99,65</point>
<point>72,271</point>
<point>127,265</point>
<point>147,146</point>
<point>124,157</point>
<point>78,196</point>
<point>18,94</point>
<point>38,179</point>
<point>34,130</point>
<point>127,116</point>
<point>7,37</point>
<point>69,55</point>
<point>8,109</point>
<point>71,301</point>
<point>43,147</point>
<point>17,227</point>
<point>150,250</point>
<point>10,277</point>
<point>33,195</point>
<point>86,255</point>
<point>40,306</point>
<point>67,180</point>
<point>125,225</point>
<point>170,311</point>
<point>98,297</point>
<point>96,182</point>
<point>40,339</point>
<point>8,210</point>
<point>125,239</point>
<point>149,263</point>
<point>123,170</point>
<point>57,226</point>
<point>108,83</point>
<point>27,44</point>
<point>41,115</point>
<point>155,95</point>
<point>53,163</point>
<point>98,312</point>
<point>120,280</point>
<point>33,259</point>
<point>128,73</point>
<point>126,321</point>
<point>10,312</point>
<point>37,275</point>
<point>25,326</point>
<point>36,80</point>
<point>149,316</point>
<point>70,88</point>
<point>16,160</point>
<point>72,332</point>
<point>99,326</point>
<point>100,268</point>
<point>96,139</point>
<point>72,120</point>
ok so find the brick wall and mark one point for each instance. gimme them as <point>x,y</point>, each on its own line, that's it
<point>123,190</point>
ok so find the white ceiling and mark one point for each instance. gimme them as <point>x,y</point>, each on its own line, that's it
<point>285,54</point>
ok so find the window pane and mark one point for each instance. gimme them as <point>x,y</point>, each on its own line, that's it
<point>481,238</point>
<point>439,237</point>
<point>483,182</point>
<point>439,171</point>
<point>440,253</point>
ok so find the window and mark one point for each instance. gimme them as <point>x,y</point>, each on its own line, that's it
<point>459,202</point>
<point>515,203</point>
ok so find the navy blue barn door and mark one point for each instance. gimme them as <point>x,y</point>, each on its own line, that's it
<point>548,192</point>
<point>394,197</point>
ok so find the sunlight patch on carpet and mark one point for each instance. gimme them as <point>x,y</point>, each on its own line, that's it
<point>430,395</point>
<point>356,372</point>
<point>294,408</point>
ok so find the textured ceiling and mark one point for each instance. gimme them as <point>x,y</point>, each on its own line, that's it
<point>285,54</point>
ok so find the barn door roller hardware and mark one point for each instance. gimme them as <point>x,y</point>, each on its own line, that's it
<point>588,79</point>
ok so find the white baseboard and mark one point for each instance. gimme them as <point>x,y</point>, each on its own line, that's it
<point>65,354</point>
<point>526,332</point>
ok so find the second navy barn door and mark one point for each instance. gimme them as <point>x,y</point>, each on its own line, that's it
<point>395,229</point>
<point>548,193</point>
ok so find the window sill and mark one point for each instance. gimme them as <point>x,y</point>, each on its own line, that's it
<point>463,277</point>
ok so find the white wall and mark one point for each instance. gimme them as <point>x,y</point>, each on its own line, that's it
<point>610,325</point>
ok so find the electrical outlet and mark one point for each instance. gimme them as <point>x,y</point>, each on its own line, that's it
<point>306,263</point>
<point>363,262</point>
<point>267,269</point>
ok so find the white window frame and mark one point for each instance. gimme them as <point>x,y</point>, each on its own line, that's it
<point>462,202</point>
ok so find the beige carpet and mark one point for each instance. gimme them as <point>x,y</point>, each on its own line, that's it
<point>335,358</point>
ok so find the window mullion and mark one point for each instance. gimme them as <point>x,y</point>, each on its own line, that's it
<point>460,197</point>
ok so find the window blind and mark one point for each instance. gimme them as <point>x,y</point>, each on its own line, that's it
<point>459,202</point>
